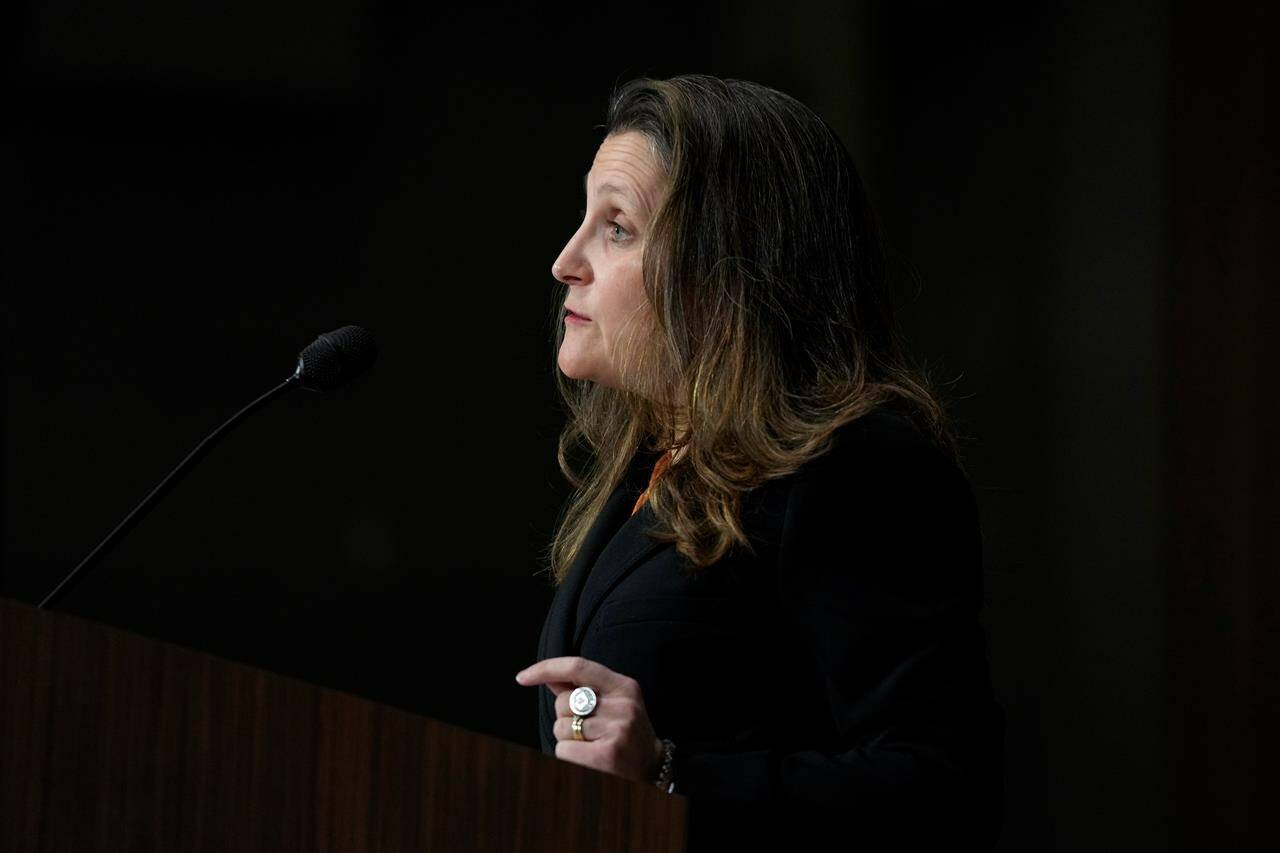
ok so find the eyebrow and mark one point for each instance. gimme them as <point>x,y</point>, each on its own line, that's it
<point>608,188</point>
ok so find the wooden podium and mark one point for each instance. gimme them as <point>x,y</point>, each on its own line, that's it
<point>114,742</point>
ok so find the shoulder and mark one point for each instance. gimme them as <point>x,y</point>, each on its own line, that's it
<point>881,450</point>
<point>884,495</point>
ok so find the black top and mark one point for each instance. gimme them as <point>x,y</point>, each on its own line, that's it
<point>836,681</point>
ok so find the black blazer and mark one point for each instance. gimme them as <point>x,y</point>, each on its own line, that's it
<point>835,685</point>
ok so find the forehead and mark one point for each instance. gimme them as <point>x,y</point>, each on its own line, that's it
<point>623,165</point>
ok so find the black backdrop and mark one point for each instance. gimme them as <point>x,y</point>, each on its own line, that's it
<point>195,192</point>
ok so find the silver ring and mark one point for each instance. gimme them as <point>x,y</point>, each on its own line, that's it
<point>582,701</point>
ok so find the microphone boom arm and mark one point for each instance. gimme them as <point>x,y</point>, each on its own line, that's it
<point>130,520</point>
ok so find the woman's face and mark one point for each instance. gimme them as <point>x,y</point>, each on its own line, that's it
<point>601,261</point>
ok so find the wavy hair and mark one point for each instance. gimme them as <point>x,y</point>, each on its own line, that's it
<point>772,322</point>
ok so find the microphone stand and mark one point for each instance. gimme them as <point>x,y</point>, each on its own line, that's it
<point>159,491</point>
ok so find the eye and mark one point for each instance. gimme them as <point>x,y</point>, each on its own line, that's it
<point>613,224</point>
<point>582,214</point>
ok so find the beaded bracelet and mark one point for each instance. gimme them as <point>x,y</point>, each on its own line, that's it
<point>666,779</point>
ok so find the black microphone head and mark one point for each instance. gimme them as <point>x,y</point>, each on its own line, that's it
<point>335,357</point>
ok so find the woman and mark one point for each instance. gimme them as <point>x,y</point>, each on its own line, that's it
<point>769,577</point>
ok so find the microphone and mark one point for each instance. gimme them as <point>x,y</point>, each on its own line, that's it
<point>329,361</point>
<point>335,358</point>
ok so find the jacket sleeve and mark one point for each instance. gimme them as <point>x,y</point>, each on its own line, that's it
<point>880,579</point>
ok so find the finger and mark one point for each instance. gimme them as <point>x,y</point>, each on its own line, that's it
<point>582,752</point>
<point>570,669</point>
<point>560,688</point>
<point>592,729</point>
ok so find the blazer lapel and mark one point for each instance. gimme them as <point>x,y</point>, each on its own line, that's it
<point>628,548</point>
<point>623,546</point>
<point>557,630</point>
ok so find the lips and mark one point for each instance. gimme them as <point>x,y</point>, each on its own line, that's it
<point>573,313</point>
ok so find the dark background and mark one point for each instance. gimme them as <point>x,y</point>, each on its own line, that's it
<point>1087,193</point>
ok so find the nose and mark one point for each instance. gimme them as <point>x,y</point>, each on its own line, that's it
<point>561,270</point>
<point>570,267</point>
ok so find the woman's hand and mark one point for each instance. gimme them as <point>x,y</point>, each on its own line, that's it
<point>619,737</point>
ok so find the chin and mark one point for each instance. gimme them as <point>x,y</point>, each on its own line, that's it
<point>574,371</point>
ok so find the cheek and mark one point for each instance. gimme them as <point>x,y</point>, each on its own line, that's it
<point>624,304</point>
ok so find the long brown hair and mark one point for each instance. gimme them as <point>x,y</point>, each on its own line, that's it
<point>772,320</point>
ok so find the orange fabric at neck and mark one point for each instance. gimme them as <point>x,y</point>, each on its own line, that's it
<point>661,466</point>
